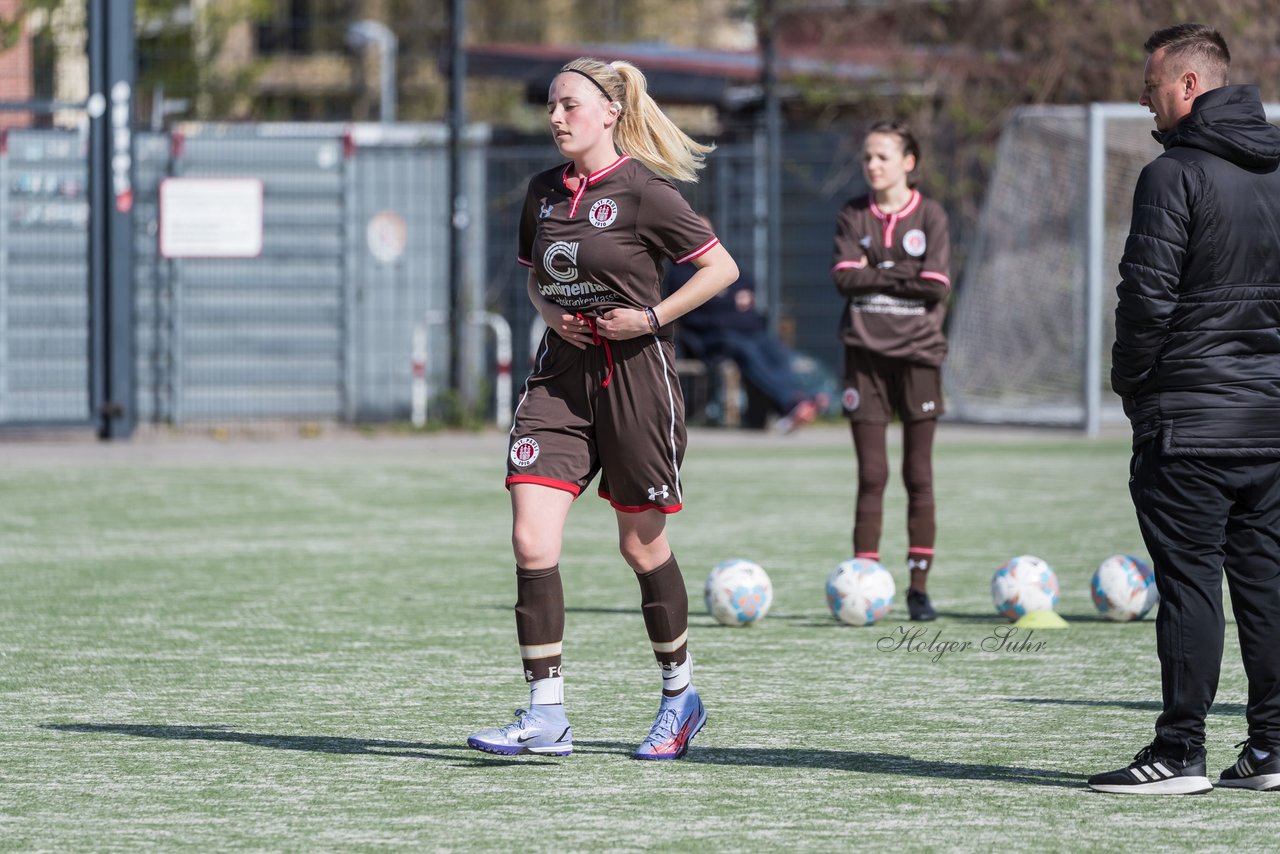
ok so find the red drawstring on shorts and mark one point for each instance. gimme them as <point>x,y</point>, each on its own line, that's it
<point>596,339</point>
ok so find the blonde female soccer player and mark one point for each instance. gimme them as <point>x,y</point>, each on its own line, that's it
<point>604,396</point>
<point>891,262</point>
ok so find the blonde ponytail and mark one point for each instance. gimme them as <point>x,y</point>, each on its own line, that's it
<point>643,130</point>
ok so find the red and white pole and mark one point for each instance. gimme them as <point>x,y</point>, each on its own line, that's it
<point>418,391</point>
<point>502,364</point>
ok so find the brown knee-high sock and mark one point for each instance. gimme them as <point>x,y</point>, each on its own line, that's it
<point>539,621</point>
<point>665,605</point>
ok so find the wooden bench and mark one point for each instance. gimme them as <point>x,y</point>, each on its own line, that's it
<point>693,374</point>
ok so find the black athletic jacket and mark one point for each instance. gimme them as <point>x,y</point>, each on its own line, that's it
<point>1197,352</point>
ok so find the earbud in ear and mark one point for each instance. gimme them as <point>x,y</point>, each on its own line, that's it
<point>615,107</point>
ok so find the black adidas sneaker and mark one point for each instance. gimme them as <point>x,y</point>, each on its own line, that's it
<point>1250,772</point>
<point>1152,774</point>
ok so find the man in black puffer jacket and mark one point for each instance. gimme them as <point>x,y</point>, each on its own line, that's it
<point>1197,363</point>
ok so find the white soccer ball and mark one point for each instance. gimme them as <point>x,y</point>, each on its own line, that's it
<point>738,592</point>
<point>860,592</point>
<point>1123,588</point>
<point>1024,584</point>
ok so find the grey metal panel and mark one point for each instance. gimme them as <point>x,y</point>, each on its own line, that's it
<point>64,403</point>
<point>49,374</point>
<point>48,314</point>
<point>46,243</point>
<point>31,276</point>
<point>41,344</point>
<point>393,294</point>
<point>317,184</point>
<point>318,326</point>
<point>44,362</point>
<point>311,213</point>
<point>243,333</point>
<point>309,274</point>
<point>277,155</point>
<point>318,344</point>
<point>150,165</point>
<point>257,373</point>
<point>230,322</point>
<point>220,403</point>
<point>27,212</point>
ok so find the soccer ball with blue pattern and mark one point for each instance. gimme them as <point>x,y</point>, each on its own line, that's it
<point>1024,584</point>
<point>860,592</point>
<point>738,592</point>
<point>1123,588</point>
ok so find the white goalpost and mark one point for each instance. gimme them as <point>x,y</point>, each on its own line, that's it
<point>1033,320</point>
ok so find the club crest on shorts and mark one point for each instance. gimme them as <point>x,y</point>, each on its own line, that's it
<point>914,243</point>
<point>850,399</point>
<point>603,213</point>
<point>524,452</point>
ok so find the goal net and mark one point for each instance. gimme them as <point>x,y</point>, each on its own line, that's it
<point>1033,320</point>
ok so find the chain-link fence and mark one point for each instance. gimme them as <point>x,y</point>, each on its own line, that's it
<point>300,270</point>
<point>1030,337</point>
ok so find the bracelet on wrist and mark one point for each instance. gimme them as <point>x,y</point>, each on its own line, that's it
<point>652,317</point>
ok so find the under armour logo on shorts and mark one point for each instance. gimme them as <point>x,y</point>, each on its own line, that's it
<point>655,493</point>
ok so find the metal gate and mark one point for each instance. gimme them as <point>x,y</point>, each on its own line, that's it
<point>319,325</point>
<point>44,305</point>
<point>65,213</point>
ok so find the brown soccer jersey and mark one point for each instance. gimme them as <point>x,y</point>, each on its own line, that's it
<point>893,268</point>
<point>614,407</point>
<point>603,246</point>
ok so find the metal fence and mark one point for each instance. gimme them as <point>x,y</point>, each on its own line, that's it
<point>44,315</point>
<point>354,257</point>
<point>318,326</point>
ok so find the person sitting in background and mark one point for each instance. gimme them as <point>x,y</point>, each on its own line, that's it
<point>728,326</point>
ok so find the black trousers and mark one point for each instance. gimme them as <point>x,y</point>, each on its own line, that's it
<point>1201,516</point>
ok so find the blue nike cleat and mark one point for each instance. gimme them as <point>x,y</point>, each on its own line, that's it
<point>679,720</point>
<point>543,730</point>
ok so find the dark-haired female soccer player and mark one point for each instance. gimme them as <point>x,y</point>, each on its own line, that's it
<point>891,257</point>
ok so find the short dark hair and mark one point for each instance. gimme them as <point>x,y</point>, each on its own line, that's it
<point>1197,44</point>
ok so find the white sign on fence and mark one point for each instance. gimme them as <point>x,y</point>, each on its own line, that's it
<point>210,218</point>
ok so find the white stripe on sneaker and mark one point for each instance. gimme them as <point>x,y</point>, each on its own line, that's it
<point>1164,772</point>
<point>1137,772</point>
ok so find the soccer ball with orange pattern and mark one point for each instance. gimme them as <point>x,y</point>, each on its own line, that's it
<point>738,592</point>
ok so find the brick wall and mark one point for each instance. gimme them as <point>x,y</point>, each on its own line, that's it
<point>15,70</point>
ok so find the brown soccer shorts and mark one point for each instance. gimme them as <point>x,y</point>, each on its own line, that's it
<point>877,388</point>
<point>613,408</point>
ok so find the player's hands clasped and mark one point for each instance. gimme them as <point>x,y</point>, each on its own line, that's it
<point>619,324</point>
<point>572,328</point>
<point>616,324</point>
